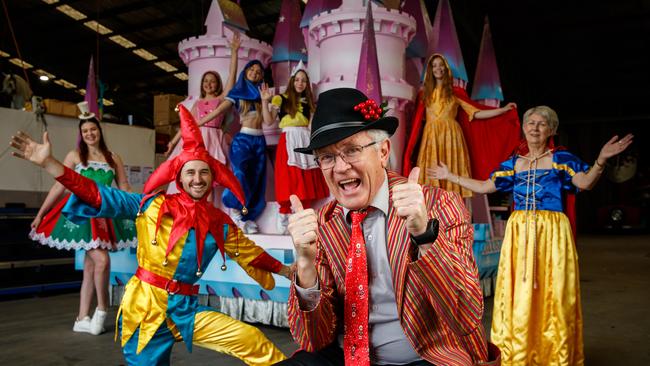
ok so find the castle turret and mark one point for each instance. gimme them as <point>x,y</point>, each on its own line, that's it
<point>211,50</point>
<point>338,35</point>
<point>416,52</point>
<point>444,40</point>
<point>313,8</point>
<point>288,44</point>
<point>486,88</point>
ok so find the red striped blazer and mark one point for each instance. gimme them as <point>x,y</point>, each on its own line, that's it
<point>439,298</point>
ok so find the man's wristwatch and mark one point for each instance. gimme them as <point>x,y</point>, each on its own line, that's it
<point>429,235</point>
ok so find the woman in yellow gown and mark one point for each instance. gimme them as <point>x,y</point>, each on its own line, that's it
<point>537,317</point>
<point>442,137</point>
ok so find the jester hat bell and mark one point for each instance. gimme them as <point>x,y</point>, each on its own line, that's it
<point>193,149</point>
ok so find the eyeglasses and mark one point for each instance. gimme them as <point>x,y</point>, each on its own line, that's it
<point>350,154</point>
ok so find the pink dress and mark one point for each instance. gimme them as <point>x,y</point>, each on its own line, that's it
<point>216,141</point>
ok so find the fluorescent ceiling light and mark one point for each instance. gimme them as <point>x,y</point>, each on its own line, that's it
<point>4,54</point>
<point>64,83</point>
<point>182,75</point>
<point>122,41</point>
<point>71,12</point>
<point>41,72</point>
<point>166,66</point>
<point>97,27</point>
<point>145,54</point>
<point>50,1</point>
<point>20,63</point>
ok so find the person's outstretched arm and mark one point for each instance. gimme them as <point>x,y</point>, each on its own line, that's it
<point>232,70</point>
<point>489,113</point>
<point>478,186</point>
<point>613,147</point>
<point>56,192</point>
<point>96,201</point>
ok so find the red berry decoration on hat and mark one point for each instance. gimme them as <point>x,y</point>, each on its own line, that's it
<point>370,110</point>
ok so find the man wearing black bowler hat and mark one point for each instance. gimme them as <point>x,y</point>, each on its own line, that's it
<point>385,273</point>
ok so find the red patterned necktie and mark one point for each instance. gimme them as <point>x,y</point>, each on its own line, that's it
<point>355,333</point>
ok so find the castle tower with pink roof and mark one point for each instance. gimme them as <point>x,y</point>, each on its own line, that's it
<point>211,51</point>
<point>338,35</point>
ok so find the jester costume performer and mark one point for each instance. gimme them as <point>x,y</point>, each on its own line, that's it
<point>56,231</point>
<point>453,136</point>
<point>178,237</point>
<point>248,149</point>
<point>537,318</point>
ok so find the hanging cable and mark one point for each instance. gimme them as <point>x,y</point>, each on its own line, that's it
<point>13,36</point>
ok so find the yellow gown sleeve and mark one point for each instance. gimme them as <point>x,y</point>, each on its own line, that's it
<point>468,108</point>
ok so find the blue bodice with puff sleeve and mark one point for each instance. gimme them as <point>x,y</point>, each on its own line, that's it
<point>549,183</point>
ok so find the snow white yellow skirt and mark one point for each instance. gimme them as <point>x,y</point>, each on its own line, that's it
<point>537,318</point>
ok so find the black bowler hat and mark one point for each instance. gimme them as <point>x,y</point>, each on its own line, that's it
<point>336,119</point>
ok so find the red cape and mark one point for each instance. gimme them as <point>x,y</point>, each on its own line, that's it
<point>489,141</point>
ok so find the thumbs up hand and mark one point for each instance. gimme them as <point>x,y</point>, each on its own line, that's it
<point>408,200</point>
<point>303,227</point>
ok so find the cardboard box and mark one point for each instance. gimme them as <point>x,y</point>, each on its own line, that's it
<point>164,106</point>
<point>70,110</point>
<point>169,129</point>
<point>53,106</point>
<point>61,108</point>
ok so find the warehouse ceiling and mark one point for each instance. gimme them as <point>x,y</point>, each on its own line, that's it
<point>586,59</point>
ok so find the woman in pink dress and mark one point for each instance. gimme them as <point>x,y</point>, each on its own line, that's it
<point>216,140</point>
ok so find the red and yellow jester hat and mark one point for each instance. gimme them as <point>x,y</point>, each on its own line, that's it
<point>193,149</point>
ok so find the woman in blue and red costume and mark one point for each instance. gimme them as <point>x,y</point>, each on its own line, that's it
<point>248,148</point>
<point>537,317</point>
<point>96,236</point>
<point>178,236</point>
<point>216,140</point>
<point>491,133</point>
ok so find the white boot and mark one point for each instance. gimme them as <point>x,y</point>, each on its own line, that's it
<point>281,224</point>
<point>250,227</point>
<point>235,215</point>
<point>82,326</point>
<point>97,322</point>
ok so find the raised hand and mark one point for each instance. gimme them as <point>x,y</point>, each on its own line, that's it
<point>30,150</point>
<point>615,146</point>
<point>265,93</point>
<point>408,200</point>
<point>235,42</point>
<point>303,226</point>
<point>439,172</point>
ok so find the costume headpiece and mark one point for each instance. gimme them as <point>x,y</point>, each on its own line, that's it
<point>193,149</point>
<point>299,67</point>
<point>85,111</point>
<point>341,113</point>
<point>244,88</point>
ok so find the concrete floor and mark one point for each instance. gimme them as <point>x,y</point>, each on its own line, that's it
<point>615,276</point>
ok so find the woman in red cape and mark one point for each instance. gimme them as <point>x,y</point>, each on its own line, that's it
<point>490,134</point>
